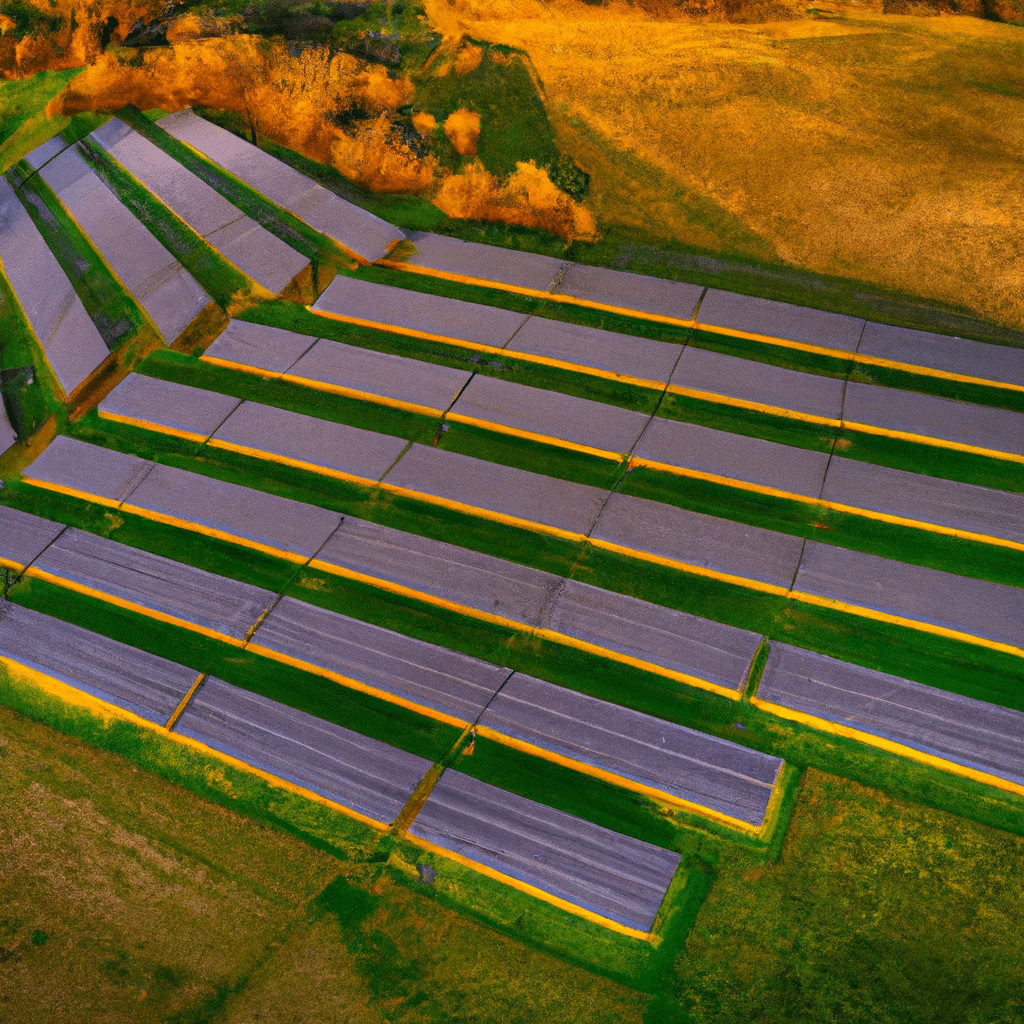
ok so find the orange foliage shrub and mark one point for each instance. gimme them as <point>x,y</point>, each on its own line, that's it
<point>463,130</point>
<point>374,157</point>
<point>528,198</point>
<point>289,99</point>
<point>468,59</point>
<point>423,122</point>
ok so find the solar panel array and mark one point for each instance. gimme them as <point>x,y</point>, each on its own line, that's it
<point>622,651</point>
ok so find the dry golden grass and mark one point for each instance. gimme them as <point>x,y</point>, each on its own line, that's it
<point>882,148</point>
<point>122,898</point>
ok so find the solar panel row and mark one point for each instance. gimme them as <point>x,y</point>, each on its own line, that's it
<point>756,558</point>
<point>73,346</point>
<point>168,292</point>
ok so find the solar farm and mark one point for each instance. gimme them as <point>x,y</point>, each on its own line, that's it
<point>545,573</point>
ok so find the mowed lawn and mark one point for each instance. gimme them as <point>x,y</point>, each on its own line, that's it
<point>126,898</point>
<point>881,148</point>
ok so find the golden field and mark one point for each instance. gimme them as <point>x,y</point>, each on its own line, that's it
<point>885,148</point>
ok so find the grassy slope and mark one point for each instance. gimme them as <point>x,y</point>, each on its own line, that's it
<point>24,123</point>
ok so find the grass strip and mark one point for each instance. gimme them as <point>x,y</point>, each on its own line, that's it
<point>941,387</point>
<point>316,247</point>
<point>195,549</point>
<point>117,316</point>
<point>932,460</point>
<point>954,665</point>
<point>221,280</point>
<point>27,405</point>
<point>945,663</point>
<point>777,355</point>
<point>26,124</point>
<point>766,511</point>
<point>897,453</point>
<point>533,456</point>
<point>803,746</point>
<point>431,284</point>
<point>748,422</point>
<point>596,800</point>
<point>810,519</point>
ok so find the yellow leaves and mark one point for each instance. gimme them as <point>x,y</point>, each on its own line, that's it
<point>6,24</point>
<point>463,130</point>
<point>424,123</point>
<point>288,98</point>
<point>376,159</point>
<point>188,26</point>
<point>376,90</point>
<point>468,59</point>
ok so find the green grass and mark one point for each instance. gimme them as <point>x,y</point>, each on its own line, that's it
<point>514,124</point>
<point>932,460</point>
<point>221,280</point>
<point>27,406</point>
<point>427,284</point>
<point>598,801</point>
<point>787,358</point>
<point>25,123</point>
<point>119,319</point>
<point>879,911</point>
<point>842,529</point>
<point>969,669</point>
<point>748,422</point>
<point>501,908</point>
<point>532,456</point>
<point>196,549</point>
<point>762,510</point>
<point>977,394</point>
